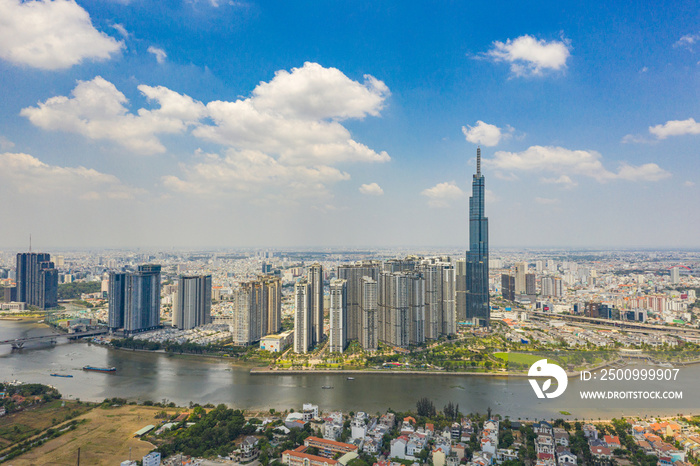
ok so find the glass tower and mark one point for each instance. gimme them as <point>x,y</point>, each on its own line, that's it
<point>477,289</point>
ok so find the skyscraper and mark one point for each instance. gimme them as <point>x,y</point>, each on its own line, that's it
<point>520,281</point>
<point>316,282</point>
<point>192,306</point>
<point>461,290</point>
<point>338,315</point>
<point>257,310</point>
<point>353,273</point>
<point>117,295</point>
<point>302,317</point>
<point>401,307</point>
<point>37,280</point>
<point>142,299</point>
<point>478,309</point>
<point>368,304</point>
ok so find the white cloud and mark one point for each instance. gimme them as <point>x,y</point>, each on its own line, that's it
<point>688,41</point>
<point>159,54</point>
<point>28,175</point>
<point>248,172</point>
<point>564,180</point>
<point>635,139</point>
<point>561,161</point>
<point>121,30</point>
<point>372,189</point>
<point>97,110</point>
<point>529,56</point>
<point>440,194</point>
<point>689,184</point>
<point>546,201</point>
<point>51,35</point>
<point>485,134</point>
<point>675,128</point>
<point>6,143</point>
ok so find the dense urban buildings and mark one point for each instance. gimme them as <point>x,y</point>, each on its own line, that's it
<point>477,273</point>
<point>338,315</point>
<point>192,304</point>
<point>353,273</point>
<point>37,280</point>
<point>134,300</point>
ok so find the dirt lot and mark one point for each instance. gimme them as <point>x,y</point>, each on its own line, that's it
<point>105,438</point>
<point>19,426</point>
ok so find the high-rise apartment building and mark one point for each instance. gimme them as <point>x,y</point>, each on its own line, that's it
<point>257,309</point>
<point>440,293</point>
<point>134,299</point>
<point>477,258</point>
<point>37,280</point>
<point>461,290</point>
<point>303,318</point>
<point>520,272</point>
<point>192,304</point>
<point>508,287</point>
<point>316,282</point>
<point>353,273</point>
<point>675,275</point>
<point>401,306</point>
<point>338,315</point>
<point>530,284</point>
<point>370,322</point>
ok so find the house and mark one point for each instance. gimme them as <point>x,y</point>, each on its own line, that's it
<point>248,449</point>
<point>439,456</point>
<point>299,458</point>
<point>332,429</point>
<point>398,448</point>
<point>506,454</point>
<point>542,428</point>
<point>612,441</point>
<point>310,411</point>
<point>329,448</point>
<point>459,450</point>
<point>151,459</point>
<point>455,431</point>
<point>590,432</point>
<point>601,452</point>
<point>452,460</point>
<point>565,457</point>
<point>371,446</point>
<point>561,438</point>
<point>482,458</point>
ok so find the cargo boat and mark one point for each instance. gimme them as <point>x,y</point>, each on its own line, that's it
<point>100,369</point>
<point>60,375</point>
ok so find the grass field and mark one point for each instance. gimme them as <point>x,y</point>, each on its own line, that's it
<point>17,427</point>
<point>105,438</point>
<point>519,358</point>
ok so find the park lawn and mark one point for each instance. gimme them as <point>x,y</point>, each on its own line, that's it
<point>19,426</point>
<point>519,358</point>
<point>106,438</point>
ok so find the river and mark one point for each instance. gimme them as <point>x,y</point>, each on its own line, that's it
<point>183,379</point>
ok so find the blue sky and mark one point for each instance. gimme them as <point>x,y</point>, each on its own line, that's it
<point>224,123</point>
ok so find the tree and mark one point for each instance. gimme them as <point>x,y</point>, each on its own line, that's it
<point>425,407</point>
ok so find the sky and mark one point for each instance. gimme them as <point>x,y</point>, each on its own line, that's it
<point>216,123</point>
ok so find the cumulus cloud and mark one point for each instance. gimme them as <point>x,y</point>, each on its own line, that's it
<point>28,175</point>
<point>97,110</point>
<point>688,41</point>
<point>560,161</point>
<point>6,143</point>
<point>442,193</point>
<point>485,134</point>
<point>529,56</point>
<point>51,35</point>
<point>248,172</point>
<point>563,180</point>
<point>372,189</point>
<point>159,54</point>
<point>675,128</point>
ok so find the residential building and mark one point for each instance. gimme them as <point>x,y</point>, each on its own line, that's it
<point>353,274</point>
<point>134,299</point>
<point>303,339</point>
<point>37,280</point>
<point>192,303</point>
<point>368,306</point>
<point>338,315</point>
<point>316,283</point>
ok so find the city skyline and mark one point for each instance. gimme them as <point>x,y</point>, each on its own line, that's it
<point>300,125</point>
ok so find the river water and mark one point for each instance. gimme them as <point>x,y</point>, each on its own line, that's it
<point>181,379</point>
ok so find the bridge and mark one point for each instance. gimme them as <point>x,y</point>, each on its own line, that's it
<point>18,343</point>
<point>628,325</point>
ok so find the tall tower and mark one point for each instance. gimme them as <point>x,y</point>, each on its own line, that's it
<point>478,309</point>
<point>192,306</point>
<point>316,282</point>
